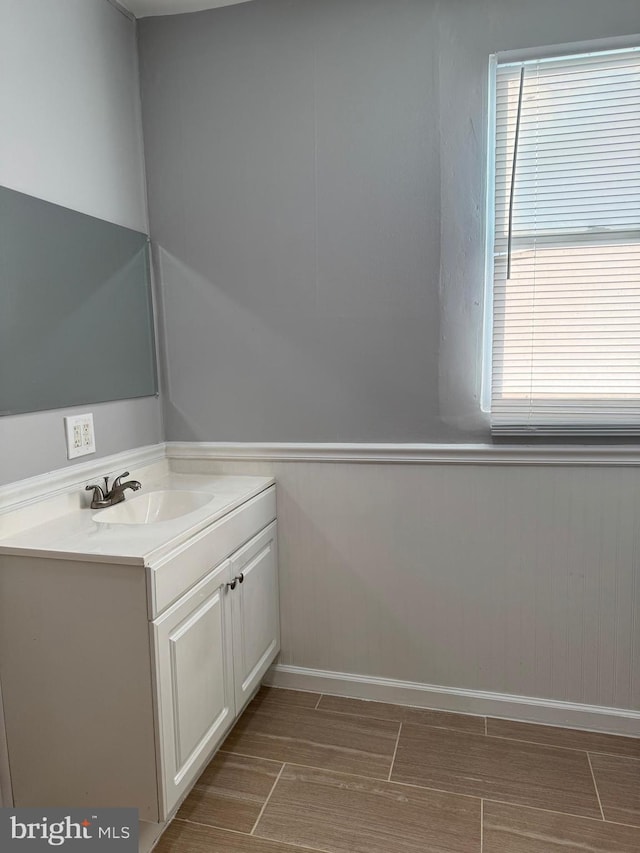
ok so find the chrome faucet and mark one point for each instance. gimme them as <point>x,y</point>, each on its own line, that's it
<point>105,496</point>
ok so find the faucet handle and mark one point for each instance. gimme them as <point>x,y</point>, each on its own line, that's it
<point>117,482</point>
<point>98,494</point>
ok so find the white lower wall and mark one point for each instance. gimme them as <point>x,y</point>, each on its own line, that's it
<point>517,579</point>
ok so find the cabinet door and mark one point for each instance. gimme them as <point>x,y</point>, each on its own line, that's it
<point>256,612</point>
<point>192,642</point>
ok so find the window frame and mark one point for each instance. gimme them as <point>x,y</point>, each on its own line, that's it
<point>501,58</point>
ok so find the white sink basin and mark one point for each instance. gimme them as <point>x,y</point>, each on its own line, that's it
<point>153,507</point>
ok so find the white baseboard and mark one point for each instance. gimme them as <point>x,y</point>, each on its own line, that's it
<point>523,708</point>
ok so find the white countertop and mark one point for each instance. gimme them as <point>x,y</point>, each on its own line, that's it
<point>74,535</point>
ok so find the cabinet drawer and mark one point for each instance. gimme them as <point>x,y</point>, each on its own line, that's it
<point>176,573</point>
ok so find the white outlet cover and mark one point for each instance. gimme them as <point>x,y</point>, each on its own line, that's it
<point>81,439</point>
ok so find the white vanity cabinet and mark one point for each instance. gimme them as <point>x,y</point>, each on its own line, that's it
<point>121,676</point>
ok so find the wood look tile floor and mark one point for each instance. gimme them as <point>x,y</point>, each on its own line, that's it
<point>304,772</point>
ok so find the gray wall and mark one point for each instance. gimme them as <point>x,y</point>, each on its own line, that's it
<point>72,135</point>
<point>316,190</point>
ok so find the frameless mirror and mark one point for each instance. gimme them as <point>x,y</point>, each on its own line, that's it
<point>76,317</point>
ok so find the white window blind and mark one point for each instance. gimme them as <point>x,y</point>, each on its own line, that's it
<point>566,245</point>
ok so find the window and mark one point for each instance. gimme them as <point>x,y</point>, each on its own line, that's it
<point>563,271</point>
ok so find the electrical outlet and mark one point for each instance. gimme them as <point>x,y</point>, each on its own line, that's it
<point>77,436</point>
<point>80,436</point>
